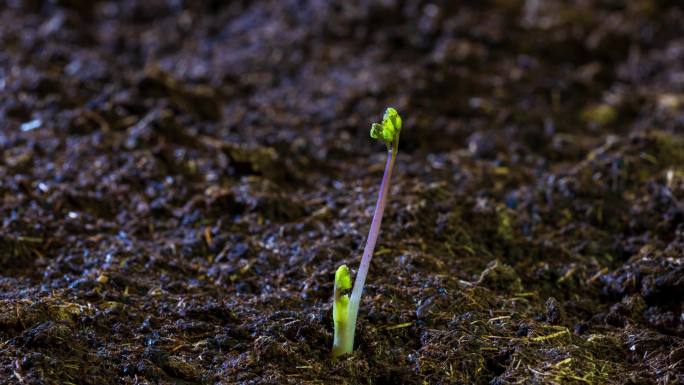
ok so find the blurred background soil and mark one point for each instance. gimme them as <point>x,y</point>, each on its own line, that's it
<point>179,181</point>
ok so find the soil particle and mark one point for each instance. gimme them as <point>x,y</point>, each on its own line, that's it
<point>499,276</point>
<point>47,334</point>
<point>555,314</point>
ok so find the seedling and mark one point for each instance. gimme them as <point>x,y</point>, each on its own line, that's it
<point>346,308</point>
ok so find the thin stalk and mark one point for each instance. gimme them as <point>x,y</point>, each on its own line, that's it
<point>354,301</point>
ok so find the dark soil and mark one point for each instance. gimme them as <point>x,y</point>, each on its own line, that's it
<point>179,181</point>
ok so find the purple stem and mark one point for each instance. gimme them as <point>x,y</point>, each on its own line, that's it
<point>355,299</point>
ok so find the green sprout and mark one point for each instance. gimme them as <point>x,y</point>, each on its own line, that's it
<point>388,130</point>
<point>346,308</point>
<point>340,304</point>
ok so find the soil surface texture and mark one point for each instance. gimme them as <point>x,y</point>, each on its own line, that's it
<point>179,181</point>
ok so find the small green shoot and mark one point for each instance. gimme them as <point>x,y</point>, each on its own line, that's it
<point>389,129</point>
<point>346,308</point>
<point>341,301</point>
